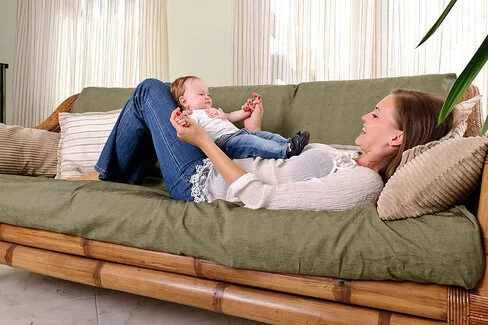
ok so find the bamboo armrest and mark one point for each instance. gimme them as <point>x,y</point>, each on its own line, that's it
<point>52,122</point>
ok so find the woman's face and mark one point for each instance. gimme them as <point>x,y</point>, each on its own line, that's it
<point>380,130</point>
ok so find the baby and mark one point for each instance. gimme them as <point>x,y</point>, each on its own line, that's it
<point>191,94</point>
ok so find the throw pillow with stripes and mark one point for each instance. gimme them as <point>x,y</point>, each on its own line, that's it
<point>83,136</point>
<point>26,151</point>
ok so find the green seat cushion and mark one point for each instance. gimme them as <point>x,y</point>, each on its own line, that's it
<point>443,248</point>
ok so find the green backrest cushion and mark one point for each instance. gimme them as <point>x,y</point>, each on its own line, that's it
<point>330,110</point>
<point>101,99</point>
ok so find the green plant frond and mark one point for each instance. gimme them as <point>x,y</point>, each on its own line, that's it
<point>438,22</point>
<point>465,79</point>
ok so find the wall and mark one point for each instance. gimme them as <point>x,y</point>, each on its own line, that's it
<point>8,16</point>
<point>200,40</point>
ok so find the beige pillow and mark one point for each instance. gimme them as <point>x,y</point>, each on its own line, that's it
<point>435,180</point>
<point>26,151</point>
<point>460,123</point>
<point>83,136</point>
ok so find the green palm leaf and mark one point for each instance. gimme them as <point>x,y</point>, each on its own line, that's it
<point>465,78</point>
<point>485,127</point>
<point>438,22</point>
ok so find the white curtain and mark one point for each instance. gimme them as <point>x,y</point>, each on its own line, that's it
<point>292,41</point>
<point>64,46</point>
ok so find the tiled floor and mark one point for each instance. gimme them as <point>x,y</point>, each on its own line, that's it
<point>31,299</point>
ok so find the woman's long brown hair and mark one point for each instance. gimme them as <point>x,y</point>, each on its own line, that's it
<point>416,115</point>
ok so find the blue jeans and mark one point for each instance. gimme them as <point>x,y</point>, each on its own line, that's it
<point>243,144</point>
<point>143,135</point>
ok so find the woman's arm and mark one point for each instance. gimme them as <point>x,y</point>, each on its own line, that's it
<point>189,131</point>
<point>343,190</point>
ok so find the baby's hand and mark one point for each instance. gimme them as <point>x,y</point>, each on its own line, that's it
<point>251,104</point>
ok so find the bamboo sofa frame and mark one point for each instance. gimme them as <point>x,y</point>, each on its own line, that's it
<point>262,296</point>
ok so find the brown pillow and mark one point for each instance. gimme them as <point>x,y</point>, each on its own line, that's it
<point>26,151</point>
<point>434,180</point>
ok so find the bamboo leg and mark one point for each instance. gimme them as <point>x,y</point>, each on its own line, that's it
<point>457,304</point>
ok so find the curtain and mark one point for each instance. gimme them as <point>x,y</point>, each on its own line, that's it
<point>292,41</point>
<point>64,46</point>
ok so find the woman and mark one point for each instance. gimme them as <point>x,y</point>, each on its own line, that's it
<point>150,127</point>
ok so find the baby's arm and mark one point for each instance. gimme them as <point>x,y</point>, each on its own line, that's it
<point>237,116</point>
<point>246,109</point>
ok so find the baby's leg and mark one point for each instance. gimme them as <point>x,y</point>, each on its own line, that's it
<point>246,145</point>
<point>270,136</point>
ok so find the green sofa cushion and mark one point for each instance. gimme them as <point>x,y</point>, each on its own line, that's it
<point>101,99</point>
<point>330,110</point>
<point>442,248</point>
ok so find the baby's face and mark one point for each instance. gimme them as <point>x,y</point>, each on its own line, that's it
<point>196,95</point>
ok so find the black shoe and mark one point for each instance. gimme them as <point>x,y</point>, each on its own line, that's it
<point>297,143</point>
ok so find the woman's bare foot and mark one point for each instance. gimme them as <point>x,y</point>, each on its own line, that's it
<point>88,177</point>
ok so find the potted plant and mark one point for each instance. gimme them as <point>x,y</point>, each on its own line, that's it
<point>466,77</point>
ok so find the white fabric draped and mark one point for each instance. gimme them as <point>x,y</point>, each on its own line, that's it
<point>292,41</point>
<point>64,46</point>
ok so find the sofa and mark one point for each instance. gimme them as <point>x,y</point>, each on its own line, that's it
<point>423,263</point>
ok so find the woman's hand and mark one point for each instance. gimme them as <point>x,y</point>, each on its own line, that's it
<point>253,122</point>
<point>187,129</point>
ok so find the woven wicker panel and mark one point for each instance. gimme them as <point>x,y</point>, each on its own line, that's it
<point>52,122</point>
<point>478,310</point>
<point>475,119</point>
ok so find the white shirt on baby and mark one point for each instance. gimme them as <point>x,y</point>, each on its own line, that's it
<point>214,122</point>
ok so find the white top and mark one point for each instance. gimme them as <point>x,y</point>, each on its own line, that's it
<point>214,122</point>
<point>320,178</point>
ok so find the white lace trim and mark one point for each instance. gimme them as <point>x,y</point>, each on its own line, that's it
<point>198,181</point>
<point>345,161</point>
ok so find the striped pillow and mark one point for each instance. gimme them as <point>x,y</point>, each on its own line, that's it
<point>25,151</point>
<point>83,136</point>
<point>435,180</point>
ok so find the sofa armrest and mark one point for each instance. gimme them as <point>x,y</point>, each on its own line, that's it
<point>52,122</point>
